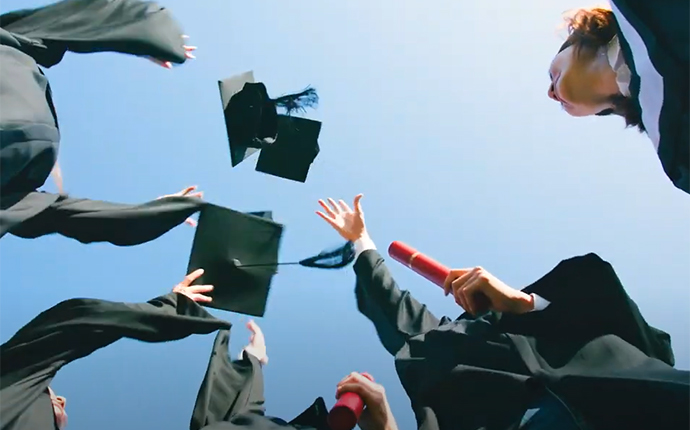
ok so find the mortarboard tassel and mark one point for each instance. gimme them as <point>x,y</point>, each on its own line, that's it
<point>335,258</point>
<point>298,102</point>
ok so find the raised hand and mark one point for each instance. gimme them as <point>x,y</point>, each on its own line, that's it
<point>194,291</point>
<point>348,223</point>
<point>186,192</point>
<point>59,405</point>
<point>472,287</point>
<point>377,414</point>
<point>187,52</point>
<point>257,343</point>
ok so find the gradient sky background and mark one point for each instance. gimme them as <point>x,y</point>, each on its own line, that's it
<point>436,111</point>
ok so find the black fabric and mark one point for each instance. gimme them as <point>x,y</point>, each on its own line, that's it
<point>225,240</point>
<point>231,396</point>
<point>591,348</point>
<point>90,221</point>
<point>127,26</point>
<point>288,144</point>
<point>663,28</point>
<point>249,113</point>
<point>29,135</point>
<point>332,258</point>
<point>294,150</point>
<point>74,329</point>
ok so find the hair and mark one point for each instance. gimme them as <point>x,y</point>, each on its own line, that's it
<point>298,102</point>
<point>589,30</point>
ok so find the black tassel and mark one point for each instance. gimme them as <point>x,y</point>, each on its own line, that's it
<point>332,259</point>
<point>327,259</point>
<point>298,102</point>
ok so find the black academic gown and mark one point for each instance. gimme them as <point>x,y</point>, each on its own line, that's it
<point>590,347</point>
<point>655,42</point>
<point>74,329</point>
<point>29,133</point>
<point>231,396</point>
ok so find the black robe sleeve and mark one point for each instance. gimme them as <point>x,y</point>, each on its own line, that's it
<point>127,26</point>
<point>588,284</point>
<point>29,141</point>
<point>74,329</point>
<point>396,315</point>
<point>90,221</point>
<point>591,347</point>
<point>29,135</point>
<point>662,27</point>
<point>231,396</point>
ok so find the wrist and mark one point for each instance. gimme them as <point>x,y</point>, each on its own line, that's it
<point>524,303</point>
<point>390,421</point>
<point>363,243</point>
<point>364,237</point>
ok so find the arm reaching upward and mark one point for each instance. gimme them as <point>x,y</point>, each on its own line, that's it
<point>396,315</point>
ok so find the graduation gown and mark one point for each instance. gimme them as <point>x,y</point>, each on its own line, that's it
<point>29,132</point>
<point>74,329</point>
<point>590,347</point>
<point>231,396</point>
<point>655,43</point>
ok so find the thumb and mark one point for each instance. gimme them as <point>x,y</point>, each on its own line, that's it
<point>358,204</point>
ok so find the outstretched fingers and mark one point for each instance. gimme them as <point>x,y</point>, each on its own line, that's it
<point>187,281</point>
<point>253,327</point>
<point>344,206</point>
<point>334,206</point>
<point>328,210</point>
<point>200,288</point>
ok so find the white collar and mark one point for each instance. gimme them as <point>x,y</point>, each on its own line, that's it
<point>617,62</point>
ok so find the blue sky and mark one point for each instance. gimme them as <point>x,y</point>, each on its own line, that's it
<point>436,111</point>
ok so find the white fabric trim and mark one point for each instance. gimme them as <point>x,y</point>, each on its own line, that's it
<point>617,62</point>
<point>651,95</point>
<point>540,303</point>
<point>363,244</point>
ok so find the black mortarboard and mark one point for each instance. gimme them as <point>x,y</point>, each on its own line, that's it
<point>239,254</point>
<point>252,123</point>
<point>226,239</point>
<point>294,150</point>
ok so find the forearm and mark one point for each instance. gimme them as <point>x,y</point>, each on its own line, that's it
<point>90,221</point>
<point>127,26</point>
<point>395,313</point>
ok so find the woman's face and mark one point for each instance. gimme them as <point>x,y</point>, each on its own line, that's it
<point>583,84</point>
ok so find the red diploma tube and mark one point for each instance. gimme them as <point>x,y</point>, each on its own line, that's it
<point>346,412</point>
<point>420,263</point>
<point>429,268</point>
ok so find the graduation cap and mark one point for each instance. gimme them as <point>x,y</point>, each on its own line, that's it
<point>288,144</point>
<point>239,254</point>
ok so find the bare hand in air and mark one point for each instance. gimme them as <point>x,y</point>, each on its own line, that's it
<point>186,192</point>
<point>257,343</point>
<point>377,414</point>
<point>476,290</point>
<point>194,291</point>
<point>187,53</point>
<point>348,223</point>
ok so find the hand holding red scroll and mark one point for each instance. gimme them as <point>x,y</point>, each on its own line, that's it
<point>346,412</point>
<point>427,267</point>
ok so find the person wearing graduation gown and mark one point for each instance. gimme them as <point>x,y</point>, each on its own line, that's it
<point>570,351</point>
<point>231,396</point>
<point>74,329</point>
<point>632,61</point>
<point>29,131</point>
